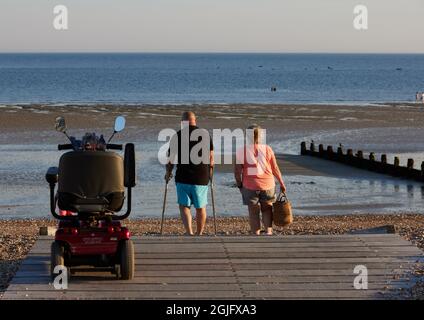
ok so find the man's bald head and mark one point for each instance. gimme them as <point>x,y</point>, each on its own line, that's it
<point>190,117</point>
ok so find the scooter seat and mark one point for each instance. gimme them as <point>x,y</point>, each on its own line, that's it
<point>91,181</point>
<point>71,202</point>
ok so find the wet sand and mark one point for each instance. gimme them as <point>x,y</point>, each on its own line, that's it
<point>388,128</point>
<point>27,149</point>
<point>27,118</point>
<point>395,128</point>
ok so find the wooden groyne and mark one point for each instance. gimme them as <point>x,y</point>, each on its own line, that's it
<point>370,163</point>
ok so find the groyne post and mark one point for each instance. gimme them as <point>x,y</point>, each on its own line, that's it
<point>330,152</point>
<point>396,166</point>
<point>303,150</point>
<point>383,164</point>
<point>321,150</point>
<point>372,164</point>
<point>422,171</point>
<point>359,159</point>
<point>340,155</point>
<point>410,164</point>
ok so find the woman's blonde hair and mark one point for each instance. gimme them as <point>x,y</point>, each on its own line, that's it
<point>256,133</point>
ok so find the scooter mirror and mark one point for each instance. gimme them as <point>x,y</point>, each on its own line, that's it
<point>60,124</point>
<point>119,124</point>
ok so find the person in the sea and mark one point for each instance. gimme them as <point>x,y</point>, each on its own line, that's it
<point>192,175</point>
<point>255,171</point>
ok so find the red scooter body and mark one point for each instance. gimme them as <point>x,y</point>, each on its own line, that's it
<point>84,239</point>
<point>91,182</point>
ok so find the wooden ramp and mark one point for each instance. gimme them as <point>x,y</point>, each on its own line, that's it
<point>278,267</point>
<point>313,166</point>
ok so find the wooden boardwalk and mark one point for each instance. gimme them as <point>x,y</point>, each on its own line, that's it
<point>278,267</point>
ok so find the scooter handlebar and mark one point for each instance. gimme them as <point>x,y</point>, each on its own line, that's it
<point>69,146</point>
<point>112,146</point>
<point>65,146</point>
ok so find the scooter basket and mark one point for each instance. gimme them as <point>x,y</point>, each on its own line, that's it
<point>91,181</point>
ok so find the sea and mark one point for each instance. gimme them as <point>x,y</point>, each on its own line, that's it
<point>181,78</point>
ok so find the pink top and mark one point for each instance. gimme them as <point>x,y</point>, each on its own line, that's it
<point>259,167</point>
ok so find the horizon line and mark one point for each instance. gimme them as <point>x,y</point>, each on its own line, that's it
<point>208,52</point>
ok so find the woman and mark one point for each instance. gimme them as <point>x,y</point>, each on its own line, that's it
<point>254,172</point>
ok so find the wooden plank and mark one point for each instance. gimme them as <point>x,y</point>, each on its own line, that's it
<point>260,239</point>
<point>315,294</point>
<point>317,244</point>
<point>283,244</point>
<point>262,265</point>
<point>120,287</point>
<point>96,295</point>
<point>317,272</point>
<point>264,238</point>
<point>285,261</point>
<point>173,238</point>
<point>292,273</point>
<point>210,295</point>
<point>43,240</point>
<point>325,249</point>
<point>252,261</point>
<point>248,287</point>
<point>140,278</point>
<point>270,248</point>
<point>308,266</point>
<point>88,278</point>
<point>308,249</point>
<point>280,242</point>
<point>269,255</point>
<point>129,286</point>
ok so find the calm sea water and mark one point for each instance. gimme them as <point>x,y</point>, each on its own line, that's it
<point>209,78</point>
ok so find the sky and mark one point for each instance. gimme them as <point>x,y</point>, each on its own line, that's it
<point>394,26</point>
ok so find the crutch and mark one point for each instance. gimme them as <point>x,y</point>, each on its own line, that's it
<point>164,206</point>
<point>213,199</point>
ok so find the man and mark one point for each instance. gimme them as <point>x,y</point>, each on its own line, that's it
<point>191,149</point>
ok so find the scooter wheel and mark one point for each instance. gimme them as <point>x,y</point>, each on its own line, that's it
<point>127,260</point>
<point>57,257</point>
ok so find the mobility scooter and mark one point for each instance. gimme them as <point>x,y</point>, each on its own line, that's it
<point>91,190</point>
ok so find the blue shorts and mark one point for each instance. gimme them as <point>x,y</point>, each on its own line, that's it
<point>191,194</point>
